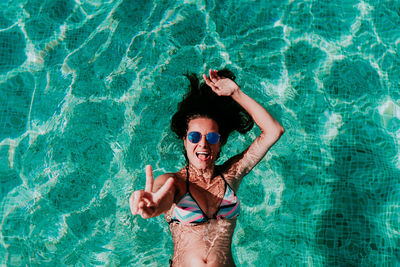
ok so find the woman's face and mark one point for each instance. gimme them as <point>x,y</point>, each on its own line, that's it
<point>202,155</point>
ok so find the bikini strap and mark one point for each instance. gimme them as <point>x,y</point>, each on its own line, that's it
<point>222,176</point>
<point>226,183</point>
<point>187,178</point>
<point>220,173</point>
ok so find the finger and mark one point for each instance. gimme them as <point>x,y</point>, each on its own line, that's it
<point>131,199</point>
<point>141,205</point>
<point>216,75</point>
<point>147,199</point>
<point>212,76</point>
<point>138,201</point>
<point>149,178</point>
<point>207,80</point>
<point>141,212</point>
<point>134,201</point>
<point>164,189</point>
<point>145,208</point>
<point>216,78</point>
<point>146,213</point>
<point>209,83</point>
<point>149,204</point>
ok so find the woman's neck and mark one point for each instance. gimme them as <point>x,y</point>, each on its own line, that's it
<point>203,175</point>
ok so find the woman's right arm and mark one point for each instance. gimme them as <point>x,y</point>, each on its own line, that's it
<point>155,199</point>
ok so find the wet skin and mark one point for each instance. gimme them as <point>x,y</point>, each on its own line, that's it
<point>206,244</point>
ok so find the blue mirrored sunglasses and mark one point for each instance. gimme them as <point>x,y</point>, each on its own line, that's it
<point>212,138</point>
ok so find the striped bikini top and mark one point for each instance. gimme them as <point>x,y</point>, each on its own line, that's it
<point>188,211</point>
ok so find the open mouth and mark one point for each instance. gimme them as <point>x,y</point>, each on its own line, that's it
<point>203,155</point>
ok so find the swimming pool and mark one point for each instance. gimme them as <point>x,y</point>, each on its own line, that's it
<point>87,89</point>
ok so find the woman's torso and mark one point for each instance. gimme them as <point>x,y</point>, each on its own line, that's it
<point>207,243</point>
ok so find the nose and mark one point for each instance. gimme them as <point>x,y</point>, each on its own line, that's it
<point>203,141</point>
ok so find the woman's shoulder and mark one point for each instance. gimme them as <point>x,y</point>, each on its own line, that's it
<point>229,174</point>
<point>179,180</point>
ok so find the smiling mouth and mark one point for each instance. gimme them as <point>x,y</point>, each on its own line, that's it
<point>203,155</point>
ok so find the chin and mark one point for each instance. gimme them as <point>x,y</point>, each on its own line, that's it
<point>202,165</point>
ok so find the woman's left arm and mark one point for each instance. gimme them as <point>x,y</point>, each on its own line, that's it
<point>271,130</point>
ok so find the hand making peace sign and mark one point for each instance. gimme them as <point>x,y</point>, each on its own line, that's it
<point>146,202</point>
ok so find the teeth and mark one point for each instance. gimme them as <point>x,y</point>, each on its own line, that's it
<point>204,153</point>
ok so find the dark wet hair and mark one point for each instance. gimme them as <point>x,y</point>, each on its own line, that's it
<point>201,101</point>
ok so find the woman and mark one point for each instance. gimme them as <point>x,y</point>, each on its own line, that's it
<point>199,201</point>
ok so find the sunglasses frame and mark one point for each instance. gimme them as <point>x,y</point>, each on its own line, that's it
<point>201,135</point>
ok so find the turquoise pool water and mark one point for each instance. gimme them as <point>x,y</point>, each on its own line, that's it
<point>87,89</point>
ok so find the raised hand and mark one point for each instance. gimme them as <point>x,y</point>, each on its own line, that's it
<point>145,202</point>
<point>220,85</point>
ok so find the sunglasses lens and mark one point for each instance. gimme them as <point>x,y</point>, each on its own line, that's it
<point>194,137</point>
<point>212,138</point>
